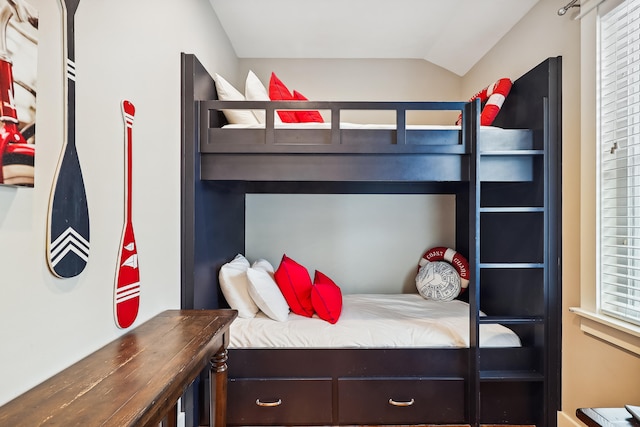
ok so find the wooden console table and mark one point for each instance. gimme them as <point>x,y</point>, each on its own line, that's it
<point>136,379</point>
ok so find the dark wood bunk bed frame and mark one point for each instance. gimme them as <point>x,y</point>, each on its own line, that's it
<point>508,199</point>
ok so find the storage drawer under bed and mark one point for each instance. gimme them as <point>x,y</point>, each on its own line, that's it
<point>279,401</point>
<point>407,400</point>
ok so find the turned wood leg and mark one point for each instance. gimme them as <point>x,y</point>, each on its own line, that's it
<point>172,417</point>
<point>218,386</point>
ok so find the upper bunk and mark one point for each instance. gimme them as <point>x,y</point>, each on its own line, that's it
<point>345,152</point>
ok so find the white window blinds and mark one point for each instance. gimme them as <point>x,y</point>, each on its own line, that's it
<point>619,161</point>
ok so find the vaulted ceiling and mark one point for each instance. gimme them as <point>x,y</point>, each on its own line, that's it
<point>453,34</point>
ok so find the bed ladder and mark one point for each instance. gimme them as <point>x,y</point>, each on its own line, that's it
<point>497,220</point>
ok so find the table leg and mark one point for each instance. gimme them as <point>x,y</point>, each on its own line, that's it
<point>218,389</point>
<point>172,417</point>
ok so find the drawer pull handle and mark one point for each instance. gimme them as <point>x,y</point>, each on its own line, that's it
<point>398,403</point>
<point>269,404</point>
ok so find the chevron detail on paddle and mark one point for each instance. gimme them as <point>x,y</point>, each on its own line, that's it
<point>128,292</point>
<point>71,70</point>
<point>69,241</point>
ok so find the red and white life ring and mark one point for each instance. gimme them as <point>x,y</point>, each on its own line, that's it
<point>492,97</point>
<point>460,263</point>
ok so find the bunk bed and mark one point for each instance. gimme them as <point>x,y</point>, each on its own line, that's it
<point>506,183</point>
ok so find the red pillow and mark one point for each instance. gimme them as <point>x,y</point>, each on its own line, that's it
<point>326,298</point>
<point>279,92</point>
<point>295,284</point>
<point>306,116</point>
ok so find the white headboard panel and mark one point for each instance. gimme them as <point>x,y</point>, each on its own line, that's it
<point>367,243</point>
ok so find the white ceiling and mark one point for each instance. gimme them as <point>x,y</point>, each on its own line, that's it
<point>453,34</point>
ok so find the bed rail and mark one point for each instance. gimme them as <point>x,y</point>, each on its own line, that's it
<point>334,136</point>
<point>346,152</point>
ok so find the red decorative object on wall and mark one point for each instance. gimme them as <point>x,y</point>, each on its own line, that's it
<point>127,289</point>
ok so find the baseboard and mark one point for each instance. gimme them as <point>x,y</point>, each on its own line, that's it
<point>565,420</point>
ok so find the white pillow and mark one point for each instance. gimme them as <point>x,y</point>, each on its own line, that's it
<point>226,92</point>
<point>265,292</point>
<point>438,281</point>
<point>235,287</point>
<point>254,90</point>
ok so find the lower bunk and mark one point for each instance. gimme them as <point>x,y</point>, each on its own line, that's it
<point>389,359</point>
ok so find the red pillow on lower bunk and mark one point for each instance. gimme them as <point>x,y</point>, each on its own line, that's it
<point>295,284</point>
<point>279,92</point>
<point>306,116</point>
<point>326,298</point>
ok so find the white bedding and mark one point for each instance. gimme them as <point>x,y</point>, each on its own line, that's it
<point>373,320</point>
<point>346,125</point>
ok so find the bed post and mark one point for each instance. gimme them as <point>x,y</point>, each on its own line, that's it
<point>471,127</point>
<point>205,244</point>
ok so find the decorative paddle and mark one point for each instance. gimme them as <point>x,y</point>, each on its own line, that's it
<point>127,290</point>
<point>68,222</point>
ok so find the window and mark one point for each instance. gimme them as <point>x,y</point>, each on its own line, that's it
<point>619,162</point>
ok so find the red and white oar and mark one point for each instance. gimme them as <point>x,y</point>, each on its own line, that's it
<point>127,289</point>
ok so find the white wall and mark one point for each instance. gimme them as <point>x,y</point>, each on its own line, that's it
<point>365,80</point>
<point>124,50</point>
<point>366,243</point>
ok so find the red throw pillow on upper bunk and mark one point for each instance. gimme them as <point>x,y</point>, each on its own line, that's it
<point>326,298</point>
<point>295,284</point>
<point>279,92</point>
<point>306,116</point>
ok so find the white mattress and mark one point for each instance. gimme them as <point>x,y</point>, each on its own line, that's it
<point>346,125</point>
<point>373,320</point>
